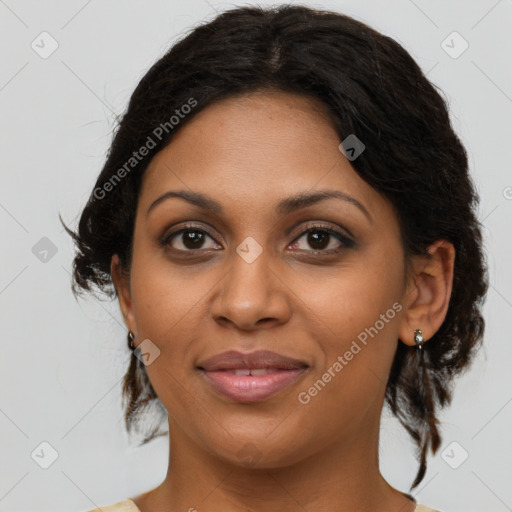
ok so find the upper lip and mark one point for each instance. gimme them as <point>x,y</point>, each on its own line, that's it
<point>260,359</point>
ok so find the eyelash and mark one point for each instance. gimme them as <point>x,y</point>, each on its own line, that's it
<point>346,242</point>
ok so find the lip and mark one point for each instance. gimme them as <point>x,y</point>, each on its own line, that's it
<point>281,372</point>
<point>233,359</point>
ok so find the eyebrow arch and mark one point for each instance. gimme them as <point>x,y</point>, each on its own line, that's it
<point>284,207</point>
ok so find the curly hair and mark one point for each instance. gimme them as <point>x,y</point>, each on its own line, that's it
<point>371,87</point>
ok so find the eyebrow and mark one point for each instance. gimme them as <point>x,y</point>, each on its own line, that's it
<point>284,207</point>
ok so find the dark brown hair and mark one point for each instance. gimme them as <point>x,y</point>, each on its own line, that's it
<point>372,88</point>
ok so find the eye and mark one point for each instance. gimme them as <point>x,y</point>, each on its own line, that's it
<point>190,238</point>
<point>320,238</point>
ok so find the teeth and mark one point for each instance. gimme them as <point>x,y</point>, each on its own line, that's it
<point>261,371</point>
<point>254,371</point>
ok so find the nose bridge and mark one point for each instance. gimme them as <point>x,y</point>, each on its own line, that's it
<point>247,277</point>
<point>249,291</point>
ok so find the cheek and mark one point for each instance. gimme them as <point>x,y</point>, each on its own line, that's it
<point>166,297</point>
<point>165,306</point>
<point>349,385</point>
<point>354,297</point>
<point>359,310</point>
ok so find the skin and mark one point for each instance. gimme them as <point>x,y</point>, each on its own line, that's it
<point>248,153</point>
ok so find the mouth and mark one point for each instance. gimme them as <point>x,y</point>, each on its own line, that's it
<point>253,371</point>
<point>251,377</point>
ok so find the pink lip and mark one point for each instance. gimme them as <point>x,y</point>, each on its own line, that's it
<point>220,373</point>
<point>251,388</point>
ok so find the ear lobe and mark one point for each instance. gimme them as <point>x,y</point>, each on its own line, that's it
<point>122,286</point>
<point>431,291</point>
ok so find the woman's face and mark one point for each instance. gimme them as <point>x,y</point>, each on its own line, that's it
<point>248,276</point>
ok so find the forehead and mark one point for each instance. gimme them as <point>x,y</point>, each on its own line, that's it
<point>263,124</point>
<point>263,145</point>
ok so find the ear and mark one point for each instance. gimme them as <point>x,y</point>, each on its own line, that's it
<point>122,285</point>
<point>428,292</point>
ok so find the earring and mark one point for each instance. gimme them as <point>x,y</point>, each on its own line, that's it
<point>131,337</point>
<point>418,339</point>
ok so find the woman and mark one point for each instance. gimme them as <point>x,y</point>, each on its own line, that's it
<point>287,221</point>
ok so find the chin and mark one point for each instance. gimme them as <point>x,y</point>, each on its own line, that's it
<point>260,450</point>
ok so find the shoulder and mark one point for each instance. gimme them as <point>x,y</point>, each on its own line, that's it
<point>424,508</point>
<point>127,505</point>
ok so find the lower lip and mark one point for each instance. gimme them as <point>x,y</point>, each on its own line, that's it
<point>251,388</point>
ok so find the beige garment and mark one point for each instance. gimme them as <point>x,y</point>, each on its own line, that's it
<point>128,505</point>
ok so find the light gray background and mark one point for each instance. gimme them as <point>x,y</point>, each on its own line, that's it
<point>62,361</point>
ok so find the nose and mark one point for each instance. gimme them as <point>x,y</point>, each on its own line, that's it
<point>251,295</point>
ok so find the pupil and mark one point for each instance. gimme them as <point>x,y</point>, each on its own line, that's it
<point>315,236</point>
<point>191,239</point>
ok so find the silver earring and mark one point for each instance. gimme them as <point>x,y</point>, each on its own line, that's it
<point>131,337</point>
<point>418,339</point>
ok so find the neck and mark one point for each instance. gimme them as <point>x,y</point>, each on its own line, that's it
<point>340,478</point>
